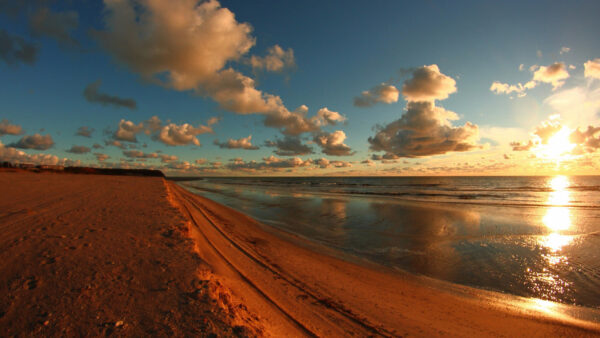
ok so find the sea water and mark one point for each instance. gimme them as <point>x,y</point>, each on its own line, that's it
<point>528,236</point>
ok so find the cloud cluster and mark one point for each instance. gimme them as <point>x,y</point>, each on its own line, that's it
<point>427,84</point>
<point>14,49</point>
<point>587,141</point>
<point>9,129</point>
<point>178,135</point>
<point>325,163</point>
<point>170,134</point>
<point>101,157</point>
<point>35,141</point>
<point>139,154</point>
<point>505,88</point>
<point>79,150</point>
<point>333,143</point>
<point>13,155</point>
<point>276,60</point>
<point>296,122</point>
<point>425,129</point>
<point>127,131</point>
<point>84,131</point>
<point>555,74</point>
<point>242,143</point>
<point>592,69</point>
<point>382,93</point>
<point>289,146</point>
<point>273,163</point>
<point>186,45</point>
<point>92,95</point>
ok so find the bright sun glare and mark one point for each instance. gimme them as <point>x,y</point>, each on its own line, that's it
<point>558,147</point>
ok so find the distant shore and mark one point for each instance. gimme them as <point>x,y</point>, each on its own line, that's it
<point>93,254</point>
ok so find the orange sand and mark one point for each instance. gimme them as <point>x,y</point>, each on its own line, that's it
<point>91,255</point>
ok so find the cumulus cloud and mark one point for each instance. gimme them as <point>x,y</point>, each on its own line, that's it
<point>289,146</point>
<point>564,50</point>
<point>177,135</point>
<point>296,122</point>
<point>79,150</point>
<point>382,93</point>
<point>555,74</point>
<point>268,163</point>
<point>333,143</point>
<point>505,88</point>
<point>368,162</point>
<point>200,161</point>
<point>242,143</point>
<point>13,155</point>
<point>139,154</point>
<point>84,131</point>
<point>57,25</point>
<point>9,129</point>
<point>35,141</point>
<point>427,84</point>
<point>164,158</point>
<point>101,157</point>
<point>186,45</point>
<point>276,60</point>
<point>114,143</point>
<point>127,131</point>
<point>425,130</point>
<point>92,95</point>
<point>592,69</point>
<point>520,146</point>
<point>325,163</point>
<point>15,49</point>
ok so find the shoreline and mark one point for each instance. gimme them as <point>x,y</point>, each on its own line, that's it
<point>377,303</point>
<point>135,256</point>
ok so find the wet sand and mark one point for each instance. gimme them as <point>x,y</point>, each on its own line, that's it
<point>90,255</point>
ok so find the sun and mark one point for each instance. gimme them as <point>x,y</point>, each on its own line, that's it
<point>558,147</point>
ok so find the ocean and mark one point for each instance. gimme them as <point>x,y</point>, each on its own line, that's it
<point>528,236</point>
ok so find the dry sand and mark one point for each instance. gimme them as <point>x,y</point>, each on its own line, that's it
<point>90,255</point>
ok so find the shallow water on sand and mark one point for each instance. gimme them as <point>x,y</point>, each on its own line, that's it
<point>528,236</point>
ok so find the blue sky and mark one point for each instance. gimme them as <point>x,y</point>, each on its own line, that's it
<point>340,49</point>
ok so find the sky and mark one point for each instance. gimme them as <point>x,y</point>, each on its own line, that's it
<point>302,88</point>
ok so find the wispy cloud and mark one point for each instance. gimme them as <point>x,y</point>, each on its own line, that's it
<point>92,95</point>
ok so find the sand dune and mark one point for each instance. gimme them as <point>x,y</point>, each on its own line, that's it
<point>137,256</point>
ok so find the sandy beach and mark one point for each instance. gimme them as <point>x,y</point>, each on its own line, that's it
<point>92,254</point>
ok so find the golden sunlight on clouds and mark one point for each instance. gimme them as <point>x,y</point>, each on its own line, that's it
<point>557,148</point>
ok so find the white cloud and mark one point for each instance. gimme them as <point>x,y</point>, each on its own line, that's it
<point>276,60</point>
<point>425,130</point>
<point>242,143</point>
<point>427,84</point>
<point>382,93</point>
<point>333,143</point>
<point>555,74</point>
<point>6,128</point>
<point>505,88</point>
<point>177,135</point>
<point>592,69</point>
<point>565,50</point>
<point>127,131</point>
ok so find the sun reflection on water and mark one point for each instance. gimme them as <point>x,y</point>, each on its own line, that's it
<point>547,283</point>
